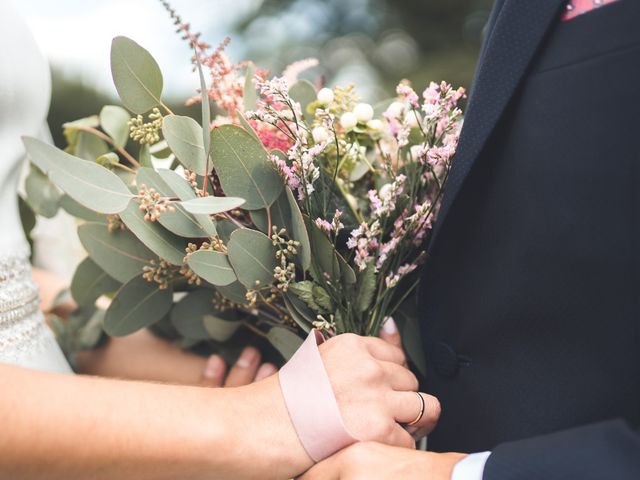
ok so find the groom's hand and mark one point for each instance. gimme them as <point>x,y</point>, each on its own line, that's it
<point>375,461</point>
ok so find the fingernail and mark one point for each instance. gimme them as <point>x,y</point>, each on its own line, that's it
<point>248,357</point>
<point>412,429</point>
<point>265,370</point>
<point>213,367</point>
<point>390,327</point>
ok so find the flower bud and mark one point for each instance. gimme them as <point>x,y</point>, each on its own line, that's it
<point>325,96</point>
<point>320,134</point>
<point>375,125</point>
<point>396,109</point>
<point>348,121</point>
<point>363,112</point>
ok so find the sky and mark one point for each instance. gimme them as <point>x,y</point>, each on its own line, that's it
<point>76,34</point>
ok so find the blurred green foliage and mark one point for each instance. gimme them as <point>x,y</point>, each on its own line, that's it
<point>373,43</point>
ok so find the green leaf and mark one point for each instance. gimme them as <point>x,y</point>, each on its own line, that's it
<point>136,305</point>
<point>280,215</point>
<point>412,340</point>
<point>304,291</point>
<point>212,205</point>
<point>136,75</point>
<point>206,110</point>
<point>144,156</point>
<point>220,329</point>
<point>188,314</point>
<point>304,93</point>
<point>42,196</point>
<point>225,229</point>
<point>180,222</point>
<point>244,167</point>
<point>184,137</point>
<point>160,150</point>
<point>250,94</point>
<point>214,267</point>
<point>89,147</point>
<point>234,292</point>
<point>325,258</point>
<point>120,254</point>
<point>90,282</point>
<point>183,190</point>
<point>108,159</point>
<point>285,341</point>
<point>366,288</point>
<point>300,313</point>
<point>322,298</point>
<point>160,241</point>
<point>76,210</point>
<point>299,231</point>
<point>247,126</point>
<point>89,184</point>
<point>252,256</point>
<point>115,121</point>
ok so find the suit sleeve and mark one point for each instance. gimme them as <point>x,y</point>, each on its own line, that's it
<point>594,452</point>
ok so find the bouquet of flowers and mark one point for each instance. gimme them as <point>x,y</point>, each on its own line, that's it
<point>292,208</point>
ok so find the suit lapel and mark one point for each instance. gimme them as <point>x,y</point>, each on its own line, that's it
<point>518,28</point>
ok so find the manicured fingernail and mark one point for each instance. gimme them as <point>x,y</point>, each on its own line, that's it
<point>214,367</point>
<point>248,357</point>
<point>265,370</point>
<point>390,327</point>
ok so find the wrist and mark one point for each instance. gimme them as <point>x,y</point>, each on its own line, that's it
<point>263,425</point>
<point>440,465</point>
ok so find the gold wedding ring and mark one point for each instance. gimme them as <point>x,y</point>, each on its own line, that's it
<point>419,417</point>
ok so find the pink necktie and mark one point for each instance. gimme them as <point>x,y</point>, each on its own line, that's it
<point>575,8</point>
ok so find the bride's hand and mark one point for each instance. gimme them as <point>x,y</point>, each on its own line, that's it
<point>374,392</point>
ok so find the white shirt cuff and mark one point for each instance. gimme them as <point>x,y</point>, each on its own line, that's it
<point>471,467</point>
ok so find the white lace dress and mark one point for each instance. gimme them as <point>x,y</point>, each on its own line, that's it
<point>25,340</point>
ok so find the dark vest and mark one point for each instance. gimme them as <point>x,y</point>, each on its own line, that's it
<point>530,300</point>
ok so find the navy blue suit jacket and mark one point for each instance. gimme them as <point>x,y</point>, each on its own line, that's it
<point>530,306</point>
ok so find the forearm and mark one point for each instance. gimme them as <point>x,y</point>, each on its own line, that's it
<point>60,427</point>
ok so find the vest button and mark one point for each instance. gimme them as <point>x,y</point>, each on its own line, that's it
<point>446,360</point>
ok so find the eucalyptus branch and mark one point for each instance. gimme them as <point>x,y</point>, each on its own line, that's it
<point>108,139</point>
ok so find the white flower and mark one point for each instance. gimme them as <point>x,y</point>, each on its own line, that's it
<point>325,96</point>
<point>320,134</point>
<point>348,121</point>
<point>385,191</point>
<point>412,119</point>
<point>396,109</point>
<point>375,125</point>
<point>363,112</point>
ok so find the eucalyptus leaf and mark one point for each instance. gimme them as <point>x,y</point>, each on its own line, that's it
<point>180,222</point>
<point>285,341</point>
<point>244,167</point>
<point>280,215</point>
<point>212,266</point>
<point>250,94</point>
<point>159,240</point>
<point>89,184</point>
<point>89,147</point>
<point>160,150</point>
<point>366,288</point>
<point>42,196</point>
<point>188,314</point>
<point>120,254</point>
<point>184,191</point>
<point>299,231</point>
<point>115,121</point>
<point>247,126</point>
<point>144,156</point>
<point>300,313</point>
<point>236,292</point>
<point>220,329</point>
<point>325,257</point>
<point>412,340</point>
<point>136,75</point>
<point>76,210</point>
<point>108,159</point>
<point>184,137</point>
<point>136,305</point>
<point>252,256</point>
<point>304,93</point>
<point>212,205</point>
<point>91,282</point>
<point>206,109</point>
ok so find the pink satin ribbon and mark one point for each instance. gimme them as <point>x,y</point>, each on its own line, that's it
<point>311,403</point>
